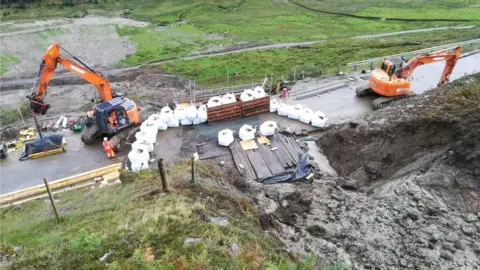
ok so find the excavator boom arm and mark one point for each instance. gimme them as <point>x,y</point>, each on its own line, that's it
<point>49,63</point>
<point>450,56</point>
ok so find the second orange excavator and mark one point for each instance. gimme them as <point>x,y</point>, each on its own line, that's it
<point>113,116</point>
<point>391,80</point>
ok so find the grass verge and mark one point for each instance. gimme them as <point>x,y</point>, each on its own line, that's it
<point>5,61</point>
<point>325,56</point>
<point>142,228</point>
<point>9,116</point>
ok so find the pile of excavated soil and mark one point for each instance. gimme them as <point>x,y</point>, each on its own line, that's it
<point>407,194</point>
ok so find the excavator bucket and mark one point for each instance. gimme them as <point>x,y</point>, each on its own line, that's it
<point>39,106</point>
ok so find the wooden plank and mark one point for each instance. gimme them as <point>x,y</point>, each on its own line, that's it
<point>271,159</point>
<point>295,144</point>
<point>288,146</point>
<point>282,153</point>
<point>211,150</point>
<point>258,163</point>
<point>241,160</point>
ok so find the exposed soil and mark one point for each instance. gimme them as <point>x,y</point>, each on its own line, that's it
<point>407,194</point>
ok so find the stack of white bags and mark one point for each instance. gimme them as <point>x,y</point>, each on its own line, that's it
<point>299,112</point>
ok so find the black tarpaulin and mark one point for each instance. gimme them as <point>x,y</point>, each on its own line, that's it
<point>48,142</point>
<point>301,171</point>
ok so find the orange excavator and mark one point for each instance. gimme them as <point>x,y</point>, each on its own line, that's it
<point>391,80</point>
<point>113,116</point>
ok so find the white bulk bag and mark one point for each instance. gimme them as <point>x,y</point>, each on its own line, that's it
<point>166,114</point>
<point>319,119</point>
<point>283,109</point>
<point>306,115</point>
<point>247,95</point>
<point>246,133</point>
<point>162,126</point>
<point>173,123</point>
<point>196,121</point>
<point>258,92</point>
<point>149,134</point>
<point>214,102</point>
<point>191,112</point>
<point>185,122</point>
<point>229,99</point>
<point>273,105</point>
<point>138,159</point>
<point>268,128</point>
<point>225,137</point>
<point>294,111</point>
<point>202,114</point>
<point>142,144</point>
<point>179,113</point>
<point>149,127</point>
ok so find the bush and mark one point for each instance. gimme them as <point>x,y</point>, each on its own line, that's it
<point>85,242</point>
<point>9,116</point>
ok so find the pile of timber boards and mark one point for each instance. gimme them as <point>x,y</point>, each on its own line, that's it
<point>263,162</point>
<point>238,109</point>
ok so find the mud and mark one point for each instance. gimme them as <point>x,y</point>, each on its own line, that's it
<point>407,194</point>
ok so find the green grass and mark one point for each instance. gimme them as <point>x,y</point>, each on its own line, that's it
<point>9,116</point>
<point>253,65</point>
<point>142,231</point>
<point>53,32</point>
<point>161,43</point>
<point>440,9</point>
<point>5,61</point>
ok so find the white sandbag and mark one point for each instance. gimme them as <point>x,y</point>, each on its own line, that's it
<point>283,109</point>
<point>150,130</point>
<point>138,159</point>
<point>145,136</point>
<point>155,119</point>
<point>162,126</point>
<point>273,105</point>
<point>191,112</point>
<point>179,113</point>
<point>247,95</point>
<point>268,128</point>
<point>214,102</point>
<point>196,121</point>
<point>319,119</point>
<point>174,123</point>
<point>246,133</point>
<point>306,115</point>
<point>258,92</point>
<point>186,122</point>
<point>225,137</point>
<point>294,111</point>
<point>202,114</point>
<point>228,99</point>
<point>142,144</point>
<point>166,114</point>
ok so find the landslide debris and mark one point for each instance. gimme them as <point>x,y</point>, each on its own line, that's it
<point>407,194</point>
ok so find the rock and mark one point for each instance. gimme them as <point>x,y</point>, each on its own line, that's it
<point>477,225</point>
<point>451,237</point>
<point>220,221</point>
<point>188,241</point>
<point>347,183</point>
<point>234,249</point>
<point>435,236</point>
<point>446,255</point>
<point>284,203</point>
<point>460,244</point>
<point>468,229</point>
<point>470,218</point>
<point>448,246</point>
<point>417,196</point>
<point>403,262</point>
<point>318,231</point>
<point>476,247</point>
<point>16,249</point>
<point>337,197</point>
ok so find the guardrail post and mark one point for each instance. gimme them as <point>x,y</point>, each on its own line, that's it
<point>163,174</point>
<point>52,201</point>
<point>371,65</point>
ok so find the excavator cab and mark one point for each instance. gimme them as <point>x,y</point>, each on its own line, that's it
<point>113,116</point>
<point>392,65</point>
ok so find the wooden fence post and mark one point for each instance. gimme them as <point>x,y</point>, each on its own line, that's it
<point>50,195</point>
<point>193,169</point>
<point>163,174</point>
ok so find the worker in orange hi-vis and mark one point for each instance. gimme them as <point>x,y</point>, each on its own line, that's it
<point>108,148</point>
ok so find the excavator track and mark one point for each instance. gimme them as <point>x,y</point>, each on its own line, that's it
<point>381,102</point>
<point>89,134</point>
<point>121,138</point>
<point>363,90</point>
